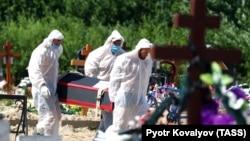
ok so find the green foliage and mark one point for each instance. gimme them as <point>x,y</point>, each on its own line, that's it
<point>92,127</point>
<point>6,102</point>
<point>70,109</point>
<point>26,23</point>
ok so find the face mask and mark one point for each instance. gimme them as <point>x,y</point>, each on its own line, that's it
<point>55,46</point>
<point>115,48</point>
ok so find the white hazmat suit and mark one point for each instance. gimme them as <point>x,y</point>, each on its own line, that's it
<point>100,61</point>
<point>128,86</point>
<point>43,74</point>
<point>99,64</point>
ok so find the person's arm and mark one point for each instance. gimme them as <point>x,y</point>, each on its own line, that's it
<point>91,65</point>
<point>34,70</point>
<point>116,77</point>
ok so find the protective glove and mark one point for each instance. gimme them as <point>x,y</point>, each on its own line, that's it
<point>45,92</point>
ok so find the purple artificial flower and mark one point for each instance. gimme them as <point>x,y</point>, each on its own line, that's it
<point>224,119</point>
<point>209,110</point>
<point>163,90</point>
<point>238,92</point>
<point>210,115</point>
<point>237,97</point>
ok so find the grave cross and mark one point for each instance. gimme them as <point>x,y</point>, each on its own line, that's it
<point>82,56</point>
<point>197,21</point>
<point>80,63</point>
<point>8,55</point>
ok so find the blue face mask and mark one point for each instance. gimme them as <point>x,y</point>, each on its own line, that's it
<point>55,46</point>
<point>115,48</point>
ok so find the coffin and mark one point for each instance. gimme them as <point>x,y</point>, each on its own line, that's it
<point>77,89</point>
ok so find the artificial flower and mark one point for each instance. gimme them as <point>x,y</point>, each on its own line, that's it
<point>233,99</point>
<point>216,77</point>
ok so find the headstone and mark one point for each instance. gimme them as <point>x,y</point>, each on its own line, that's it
<point>38,138</point>
<point>5,130</point>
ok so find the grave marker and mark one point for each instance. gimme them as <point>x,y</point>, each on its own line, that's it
<point>8,55</point>
<point>80,63</point>
<point>197,21</point>
<point>82,56</point>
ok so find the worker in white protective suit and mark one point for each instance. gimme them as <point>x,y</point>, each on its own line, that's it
<point>128,85</point>
<point>99,64</point>
<point>43,74</point>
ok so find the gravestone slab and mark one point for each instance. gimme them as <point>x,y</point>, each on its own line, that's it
<point>38,138</point>
<point>5,130</point>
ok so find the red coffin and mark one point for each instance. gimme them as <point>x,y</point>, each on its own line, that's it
<point>75,88</point>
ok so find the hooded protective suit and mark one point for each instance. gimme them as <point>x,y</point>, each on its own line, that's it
<point>43,70</point>
<point>100,61</point>
<point>128,86</point>
<point>99,64</point>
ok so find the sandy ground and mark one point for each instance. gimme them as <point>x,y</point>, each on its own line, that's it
<point>72,127</point>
